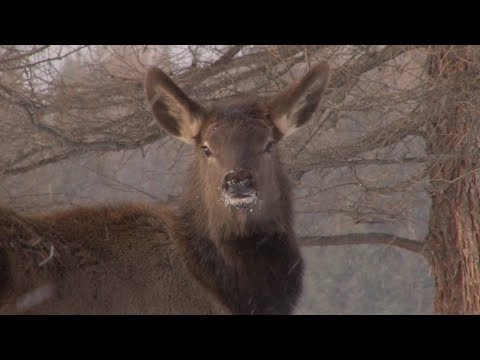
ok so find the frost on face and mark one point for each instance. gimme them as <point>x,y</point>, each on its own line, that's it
<point>239,202</point>
<point>243,202</point>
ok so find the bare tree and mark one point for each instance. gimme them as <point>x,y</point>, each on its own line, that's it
<point>391,160</point>
<point>453,242</point>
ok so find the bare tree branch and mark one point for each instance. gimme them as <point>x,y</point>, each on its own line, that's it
<point>376,139</point>
<point>362,239</point>
<point>23,55</point>
<point>100,146</point>
<point>344,74</point>
<point>196,76</point>
<point>47,60</point>
<point>229,55</point>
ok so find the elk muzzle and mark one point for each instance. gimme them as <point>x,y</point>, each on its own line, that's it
<point>239,188</point>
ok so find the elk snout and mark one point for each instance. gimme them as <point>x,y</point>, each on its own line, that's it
<point>239,188</point>
<point>239,183</point>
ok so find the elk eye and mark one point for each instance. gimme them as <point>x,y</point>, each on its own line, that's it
<point>269,147</point>
<point>207,151</point>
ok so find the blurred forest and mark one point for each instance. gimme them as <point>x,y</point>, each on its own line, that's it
<point>368,170</point>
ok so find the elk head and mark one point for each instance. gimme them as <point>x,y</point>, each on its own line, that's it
<point>236,144</point>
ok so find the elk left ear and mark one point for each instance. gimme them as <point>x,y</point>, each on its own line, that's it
<point>174,110</point>
<point>293,108</point>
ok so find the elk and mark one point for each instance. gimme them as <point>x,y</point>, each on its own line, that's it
<point>227,247</point>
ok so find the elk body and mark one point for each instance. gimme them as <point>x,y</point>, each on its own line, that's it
<point>228,247</point>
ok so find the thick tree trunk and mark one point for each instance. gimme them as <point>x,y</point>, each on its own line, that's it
<point>454,234</point>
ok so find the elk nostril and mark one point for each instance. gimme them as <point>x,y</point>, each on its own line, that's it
<point>238,183</point>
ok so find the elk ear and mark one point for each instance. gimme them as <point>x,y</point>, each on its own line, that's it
<point>294,107</point>
<point>173,109</point>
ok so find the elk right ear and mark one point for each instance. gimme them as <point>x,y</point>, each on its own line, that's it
<point>173,109</point>
<point>293,108</point>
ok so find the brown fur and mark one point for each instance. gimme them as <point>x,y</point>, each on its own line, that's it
<point>115,259</point>
<point>205,256</point>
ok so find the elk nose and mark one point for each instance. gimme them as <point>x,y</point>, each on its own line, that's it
<point>238,183</point>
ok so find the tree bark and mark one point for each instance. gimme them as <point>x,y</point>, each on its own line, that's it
<point>454,229</point>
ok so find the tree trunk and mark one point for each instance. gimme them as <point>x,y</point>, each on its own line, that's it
<point>454,230</point>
